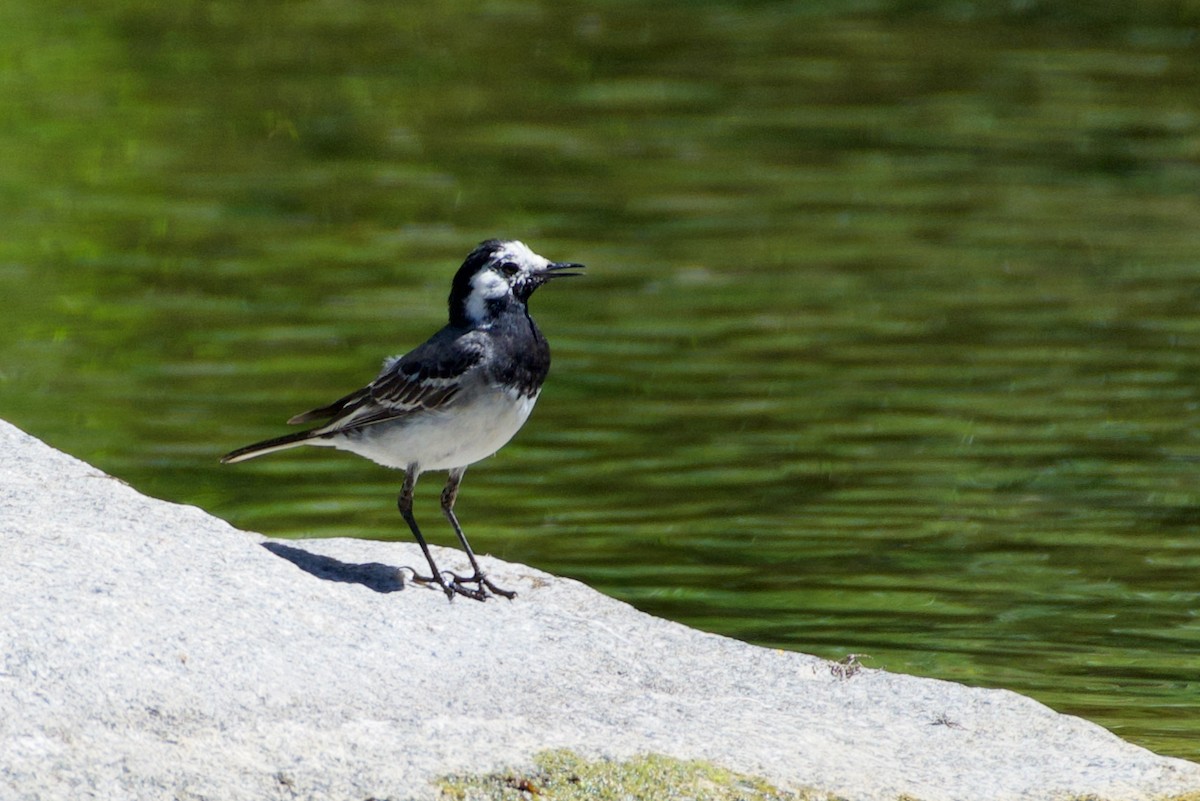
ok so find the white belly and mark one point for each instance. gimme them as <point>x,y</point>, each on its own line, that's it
<point>455,437</point>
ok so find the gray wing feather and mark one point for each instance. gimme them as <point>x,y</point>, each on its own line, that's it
<point>425,379</point>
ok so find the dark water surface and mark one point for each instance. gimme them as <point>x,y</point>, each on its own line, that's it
<point>889,343</point>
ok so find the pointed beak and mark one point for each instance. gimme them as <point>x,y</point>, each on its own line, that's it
<point>560,270</point>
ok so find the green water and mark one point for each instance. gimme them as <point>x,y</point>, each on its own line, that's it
<point>889,343</point>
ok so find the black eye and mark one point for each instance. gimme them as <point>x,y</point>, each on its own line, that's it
<point>509,269</point>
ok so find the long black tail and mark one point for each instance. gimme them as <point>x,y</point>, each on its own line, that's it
<point>269,446</point>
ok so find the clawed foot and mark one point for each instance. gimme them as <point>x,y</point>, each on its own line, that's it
<point>455,586</point>
<point>441,582</point>
<point>483,586</point>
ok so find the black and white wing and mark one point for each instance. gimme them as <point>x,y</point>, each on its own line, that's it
<point>425,379</point>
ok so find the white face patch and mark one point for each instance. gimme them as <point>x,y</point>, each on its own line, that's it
<point>519,254</point>
<point>498,278</point>
<point>485,285</point>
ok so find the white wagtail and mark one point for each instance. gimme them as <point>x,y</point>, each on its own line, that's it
<point>454,400</point>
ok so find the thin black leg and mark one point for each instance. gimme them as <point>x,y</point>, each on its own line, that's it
<point>405,503</point>
<point>449,496</point>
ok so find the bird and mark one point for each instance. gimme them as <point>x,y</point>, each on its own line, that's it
<point>452,401</point>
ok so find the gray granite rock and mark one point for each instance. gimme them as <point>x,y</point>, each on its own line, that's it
<point>149,651</point>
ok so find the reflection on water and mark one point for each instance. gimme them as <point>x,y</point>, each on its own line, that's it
<point>888,344</point>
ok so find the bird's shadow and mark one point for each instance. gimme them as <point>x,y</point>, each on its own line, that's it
<point>373,575</point>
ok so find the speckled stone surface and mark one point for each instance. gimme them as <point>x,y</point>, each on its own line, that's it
<point>149,651</point>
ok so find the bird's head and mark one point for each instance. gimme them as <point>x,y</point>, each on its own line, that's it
<point>498,273</point>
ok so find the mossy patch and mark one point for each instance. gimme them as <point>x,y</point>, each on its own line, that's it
<point>566,776</point>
